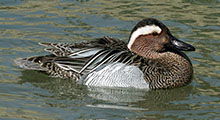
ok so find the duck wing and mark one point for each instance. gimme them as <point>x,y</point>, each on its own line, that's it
<point>71,60</point>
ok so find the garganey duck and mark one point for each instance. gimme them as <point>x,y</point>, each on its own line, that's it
<point>152,59</point>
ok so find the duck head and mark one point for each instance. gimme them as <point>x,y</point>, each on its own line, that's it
<point>151,37</point>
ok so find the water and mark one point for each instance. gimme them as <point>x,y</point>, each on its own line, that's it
<point>33,95</point>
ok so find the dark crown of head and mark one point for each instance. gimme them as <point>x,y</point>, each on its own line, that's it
<point>149,21</point>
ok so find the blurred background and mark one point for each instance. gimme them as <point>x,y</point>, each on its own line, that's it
<point>33,95</point>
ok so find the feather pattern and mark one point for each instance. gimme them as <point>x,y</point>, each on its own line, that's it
<point>79,58</point>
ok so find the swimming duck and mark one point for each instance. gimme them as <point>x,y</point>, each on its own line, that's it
<point>152,59</point>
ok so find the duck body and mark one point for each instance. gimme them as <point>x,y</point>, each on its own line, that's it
<point>152,59</point>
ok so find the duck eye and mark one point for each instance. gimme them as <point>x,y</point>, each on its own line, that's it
<point>154,33</point>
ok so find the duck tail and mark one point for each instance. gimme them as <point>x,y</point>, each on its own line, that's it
<point>30,63</point>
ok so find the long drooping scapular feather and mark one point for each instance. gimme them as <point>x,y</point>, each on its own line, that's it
<point>80,58</point>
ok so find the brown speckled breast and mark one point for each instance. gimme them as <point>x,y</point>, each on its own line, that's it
<point>169,71</point>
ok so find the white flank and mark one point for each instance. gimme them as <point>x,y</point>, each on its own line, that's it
<point>143,31</point>
<point>117,75</point>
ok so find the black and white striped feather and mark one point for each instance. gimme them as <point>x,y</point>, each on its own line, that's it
<point>72,60</point>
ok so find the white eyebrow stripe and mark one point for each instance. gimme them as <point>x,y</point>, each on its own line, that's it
<point>143,31</point>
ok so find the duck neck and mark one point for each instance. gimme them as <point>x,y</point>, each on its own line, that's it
<point>146,52</point>
<point>166,69</point>
<point>170,70</point>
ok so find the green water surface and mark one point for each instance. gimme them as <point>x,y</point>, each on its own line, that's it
<point>30,95</point>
